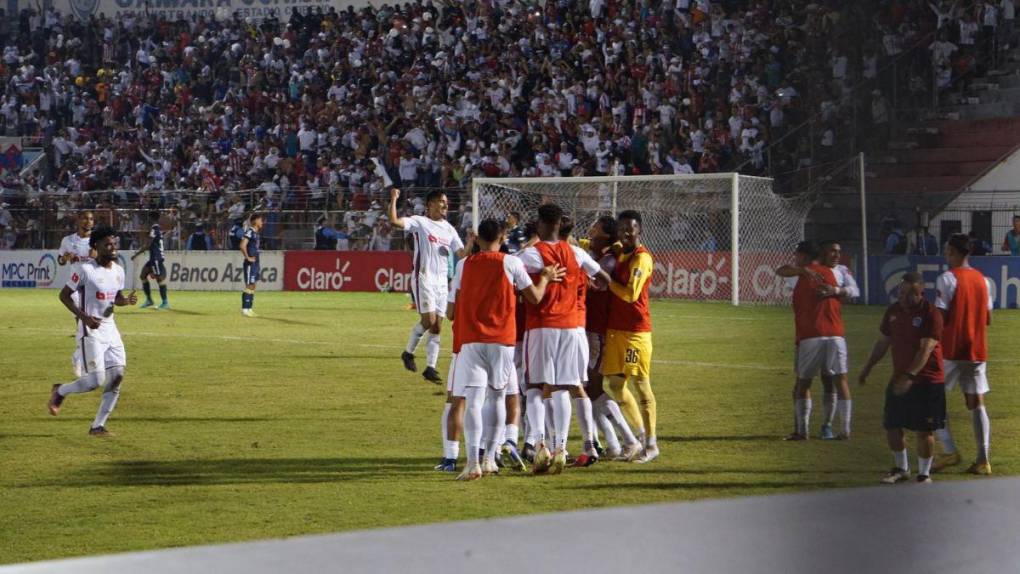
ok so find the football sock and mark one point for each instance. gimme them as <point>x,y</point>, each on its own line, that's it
<point>451,448</point>
<point>605,425</point>
<point>431,349</point>
<point>616,416</point>
<point>924,465</point>
<point>982,432</point>
<point>646,399</point>
<point>247,299</point>
<point>162,292</point>
<point>845,408</point>
<point>585,420</point>
<point>87,382</point>
<point>803,409</point>
<point>561,416</point>
<point>828,408</point>
<point>511,433</point>
<point>416,334</point>
<point>945,438</point>
<point>147,289</point>
<point>494,419</point>
<point>535,413</point>
<point>901,460</point>
<point>109,401</point>
<point>550,420</point>
<point>474,397</point>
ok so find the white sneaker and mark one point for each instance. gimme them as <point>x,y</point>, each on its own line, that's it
<point>651,453</point>
<point>248,313</point>
<point>630,453</point>
<point>489,467</point>
<point>471,472</point>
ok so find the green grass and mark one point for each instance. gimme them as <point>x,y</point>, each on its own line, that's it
<point>304,421</point>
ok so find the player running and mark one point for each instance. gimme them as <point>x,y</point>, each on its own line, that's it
<point>434,240</point>
<point>74,250</point>
<point>627,359</point>
<point>486,302</point>
<point>250,251</point>
<point>962,293</point>
<point>155,267</point>
<point>100,286</point>
<point>916,397</point>
<point>554,347</point>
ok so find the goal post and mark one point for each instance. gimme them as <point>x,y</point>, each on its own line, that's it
<point>714,237</point>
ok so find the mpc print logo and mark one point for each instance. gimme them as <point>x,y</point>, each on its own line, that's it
<point>84,9</point>
<point>41,273</point>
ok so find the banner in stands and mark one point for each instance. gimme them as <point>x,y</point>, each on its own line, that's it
<point>885,272</point>
<point>218,270</point>
<point>187,9</point>
<point>39,269</point>
<point>347,271</point>
<point>11,157</point>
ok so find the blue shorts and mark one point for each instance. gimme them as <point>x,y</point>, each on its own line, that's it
<point>251,272</point>
<point>155,267</point>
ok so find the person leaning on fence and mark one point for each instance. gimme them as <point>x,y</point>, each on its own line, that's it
<point>1011,243</point>
<point>199,240</point>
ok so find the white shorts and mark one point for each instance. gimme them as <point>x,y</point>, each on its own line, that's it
<point>968,374</point>
<point>554,356</point>
<point>102,349</point>
<point>596,342</point>
<point>481,364</point>
<point>453,370</point>
<point>430,298</point>
<point>824,355</point>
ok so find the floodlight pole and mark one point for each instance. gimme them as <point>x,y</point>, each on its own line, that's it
<point>735,240</point>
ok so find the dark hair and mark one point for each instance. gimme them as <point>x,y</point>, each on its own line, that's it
<point>912,277</point>
<point>960,243</point>
<point>101,233</point>
<point>629,214</point>
<point>434,195</point>
<point>566,226</point>
<point>826,243</point>
<point>1015,217</point>
<point>550,214</point>
<point>255,216</point>
<point>807,248</point>
<point>154,216</point>
<point>608,225</point>
<point>85,212</point>
<point>490,230</point>
<point>530,229</point>
<point>516,215</point>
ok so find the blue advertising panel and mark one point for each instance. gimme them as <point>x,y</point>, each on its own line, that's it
<point>885,272</point>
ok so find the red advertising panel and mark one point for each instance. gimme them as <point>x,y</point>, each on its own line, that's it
<point>347,271</point>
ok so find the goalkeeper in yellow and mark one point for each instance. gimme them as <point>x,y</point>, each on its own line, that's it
<point>627,359</point>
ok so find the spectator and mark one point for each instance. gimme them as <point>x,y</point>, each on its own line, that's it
<point>924,243</point>
<point>326,235</point>
<point>236,234</point>
<point>896,241</point>
<point>6,228</point>
<point>978,246</point>
<point>1011,243</point>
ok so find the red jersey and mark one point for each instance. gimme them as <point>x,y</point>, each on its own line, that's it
<point>963,294</point>
<point>486,299</point>
<point>633,316</point>
<point>906,328</point>
<point>597,302</point>
<point>815,316</point>
<point>558,309</point>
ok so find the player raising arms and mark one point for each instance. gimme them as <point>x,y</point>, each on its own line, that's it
<point>434,240</point>
<point>627,358</point>
<point>100,285</point>
<point>250,251</point>
<point>554,347</point>
<point>484,318</point>
<point>74,249</point>
<point>962,294</point>
<point>155,267</point>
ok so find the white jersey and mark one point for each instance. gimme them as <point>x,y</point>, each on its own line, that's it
<point>76,245</point>
<point>845,280</point>
<point>434,241</point>
<point>534,263</point>
<point>459,270</point>
<point>97,287</point>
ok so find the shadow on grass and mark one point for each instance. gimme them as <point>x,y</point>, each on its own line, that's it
<point>291,321</point>
<point>250,471</point>
<point>719,485</point>
<point>711,438</point>
<point>177,311</point>
<point>359,357</point>
<point>195,419</point>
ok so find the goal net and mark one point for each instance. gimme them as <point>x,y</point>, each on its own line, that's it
<point>713,237</point>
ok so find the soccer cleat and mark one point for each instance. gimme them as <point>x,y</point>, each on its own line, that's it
<point>945,460</point>
<point>842,436</point>
<point>826,433</point>
<point>248,313</point>
<point>795,437</point>
<point>511,458</point>
<point>100,432</point>
<point>896,476</point>
<point>148,303</point>
<point>528,454</point>
<point>980,469</point>
<point>447,465</point>
<point>408,359</point>
<point>164,305</point>
<point>651,453</point>
<point>584,460</point>
<point>489,467</point>
<point>55,400</point>
<point>471,472</point>
<point>598,448</point>
<point>543,459</point>
<point>923,479</point>
<point>559,461</point>
<point>630,453</point>
<point>431,375</point>
<point>613,454</point>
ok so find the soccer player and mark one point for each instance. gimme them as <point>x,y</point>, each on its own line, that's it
<point>962,293</point>
<point>608,415</point>
<point>155,267</point>
<point>75,249</point>
<point>916,397</point>
<point>100,286</point>
<point>627,358</point>
<point>554,347</point>
<point>486,302</point>
<point>434,240</point>
<point>250,250</point>
<point>821,347</point>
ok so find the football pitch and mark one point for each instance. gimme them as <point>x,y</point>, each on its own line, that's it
<point>304,421</point>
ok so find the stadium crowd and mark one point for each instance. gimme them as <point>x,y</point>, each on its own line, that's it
<point>320,111</point>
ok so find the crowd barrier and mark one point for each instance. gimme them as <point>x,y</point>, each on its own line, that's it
<point>885,272</point>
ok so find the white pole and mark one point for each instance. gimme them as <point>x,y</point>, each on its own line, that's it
<point>616,187</point>
<point>735,239</point>
<point>864,229</point>
<point>474,205</point>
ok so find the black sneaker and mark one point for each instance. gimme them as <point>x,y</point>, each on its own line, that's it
<point>100,432</point>
<point>408,359</point>
<point>528,453</point>
<point>431,375</point>
<point>923,479</point>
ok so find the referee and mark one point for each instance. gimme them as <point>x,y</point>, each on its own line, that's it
<point>915,398</point>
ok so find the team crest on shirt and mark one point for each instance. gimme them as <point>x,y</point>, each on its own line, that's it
<point>916,322</point>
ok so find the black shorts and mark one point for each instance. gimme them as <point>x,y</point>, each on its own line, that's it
<point>251,272</point>
<point>155,267</point>
<point>922,408</point>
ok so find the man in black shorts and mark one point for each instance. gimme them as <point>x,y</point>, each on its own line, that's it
<point>915,398</point>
